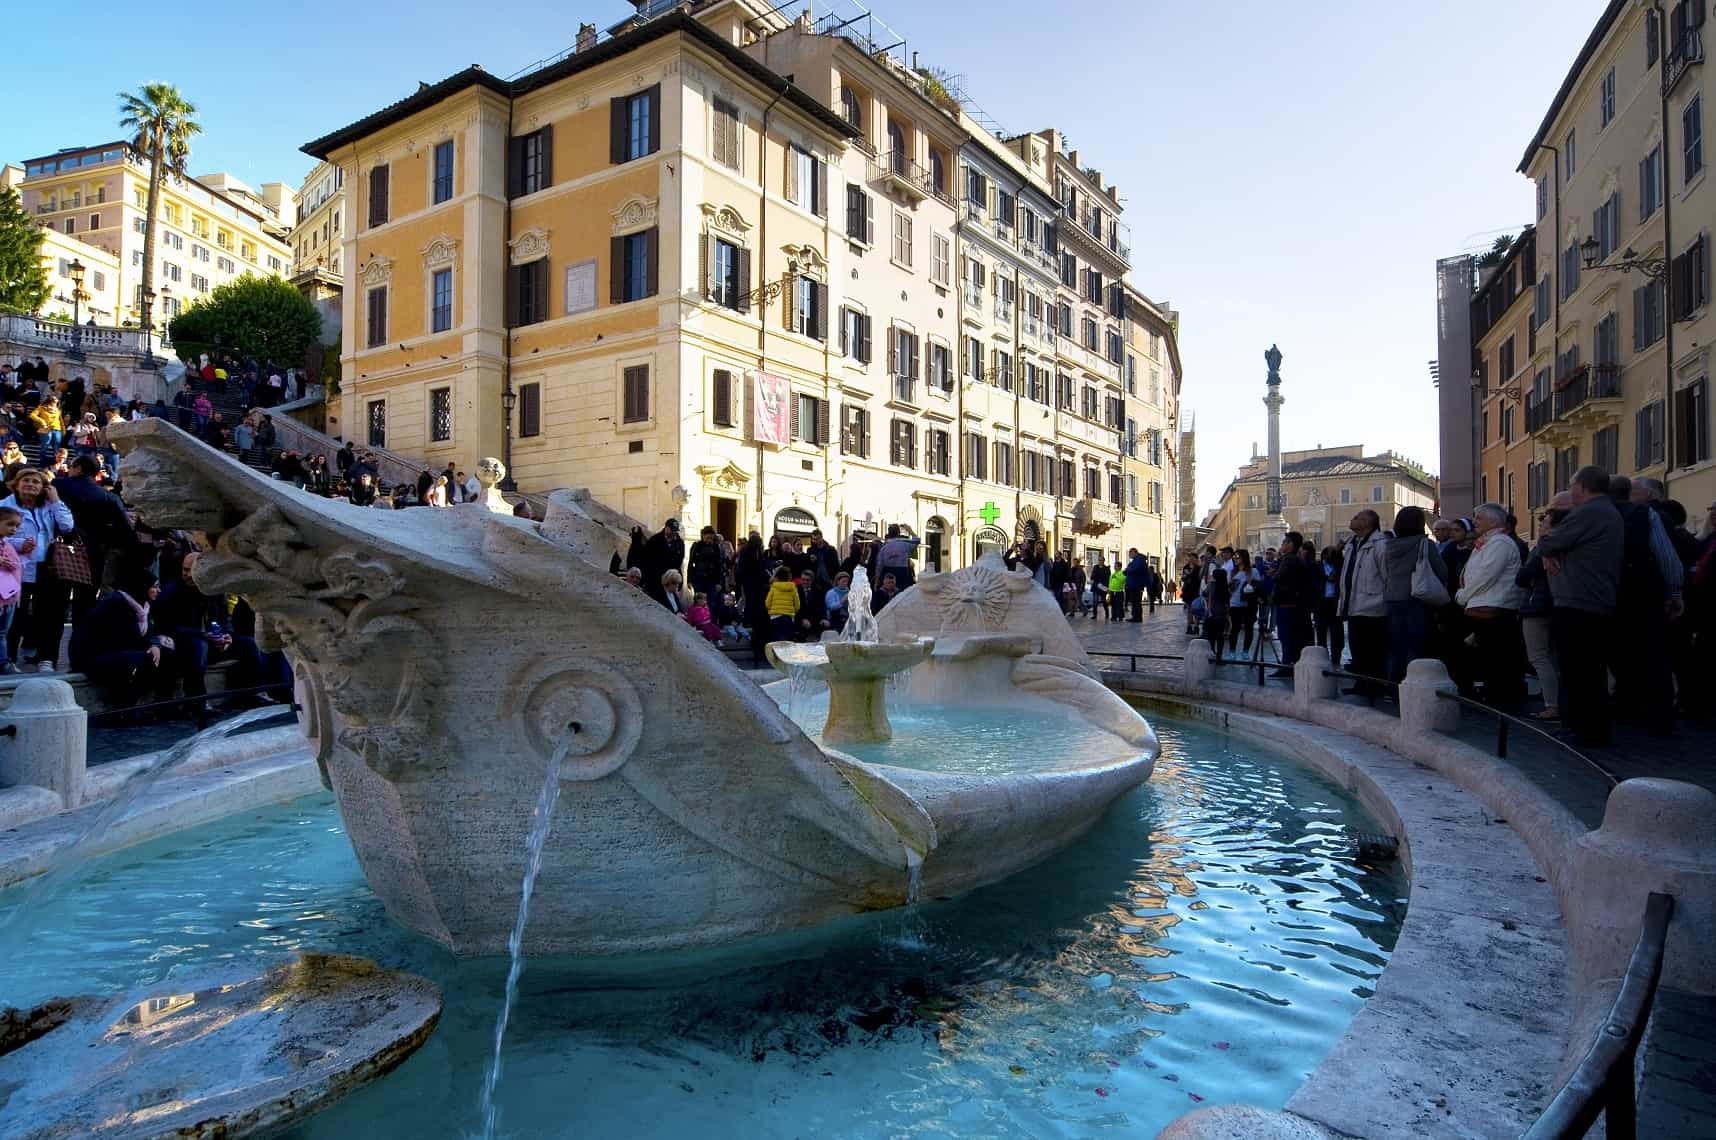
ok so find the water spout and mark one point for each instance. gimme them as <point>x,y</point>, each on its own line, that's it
<point>541,820</point>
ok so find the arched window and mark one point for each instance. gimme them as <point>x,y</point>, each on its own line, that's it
<point>851,109</point>
<point>934,547</point>
<point>896,147</point>
<point>938,173</point>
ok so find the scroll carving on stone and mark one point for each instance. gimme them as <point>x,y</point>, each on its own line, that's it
<point>377,270</point>
<point>530,245</point>
<point>635,213</point>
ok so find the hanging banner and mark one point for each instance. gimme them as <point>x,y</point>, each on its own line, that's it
<point>771,409</point>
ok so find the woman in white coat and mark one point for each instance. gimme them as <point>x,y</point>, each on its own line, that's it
<point>1491,598</point>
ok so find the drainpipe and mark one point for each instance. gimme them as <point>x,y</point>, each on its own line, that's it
<point>761,292</point>
<point>1555,288</point>
<point>507,395</point>
<point>1667,261</point>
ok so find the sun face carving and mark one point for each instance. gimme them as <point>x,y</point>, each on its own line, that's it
<point>975,598</point>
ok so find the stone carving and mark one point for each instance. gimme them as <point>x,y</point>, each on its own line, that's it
<point>490,473</point>
<point>530,245</point>
<point>635,213</point>
<point>378,270</point>
<point>725,219</point>
<point>984,598</point>
<point>728,477</point>
<point>441,251</point>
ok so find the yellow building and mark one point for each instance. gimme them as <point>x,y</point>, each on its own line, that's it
<point>719,294</point>
<point>59,252</point>
<point>1151,441</point>
<point>1621,312</point>
<point>1321,490</point>
<point>1505,341</point>
<point>206,234</point>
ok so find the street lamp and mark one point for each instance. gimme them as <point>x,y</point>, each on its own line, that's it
<point>1656,268</point>
<point>509,401</point>
<point>77,272</point>
<point>148,361</point>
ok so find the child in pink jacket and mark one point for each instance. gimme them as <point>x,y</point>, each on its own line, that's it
<point>700,619</point>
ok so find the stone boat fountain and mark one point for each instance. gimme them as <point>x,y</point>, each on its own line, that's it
<point>446,660</point>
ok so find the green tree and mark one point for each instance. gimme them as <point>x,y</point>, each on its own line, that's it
<point>161,125</point>
<point>264,317</point>
<point>23,279</point>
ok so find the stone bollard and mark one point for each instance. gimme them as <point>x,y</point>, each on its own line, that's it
<point>48,744</point>
<point>1655,837</point>
<point>1197,666</point>
<point>1309,683</point>
<point>1421,710</point>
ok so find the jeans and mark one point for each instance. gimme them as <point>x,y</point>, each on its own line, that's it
<point>1408,632</point>
<point>1581,652</point>
<point>50,441</point>
<point>1135,602</point>
<point>130,674</point>
<point>7,612</point>
<point>199,653</point>
<point>1540,651</point>
<point>1240,619</point>
<point>1295,626</point>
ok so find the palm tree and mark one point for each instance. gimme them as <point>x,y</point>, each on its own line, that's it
<point>162,125</point>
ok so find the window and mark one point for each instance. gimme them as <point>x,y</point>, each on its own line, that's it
<point>809,308</point>
<point>938,174</point>
<point>1606,448</point>
<point>1692,422</point>
<point>95,221</point>
<point>377,325</point>
<point>1346,495</point>
<point>1069,271</point>
<point>903,362</point>
<point>1648,439</point>
<point>1064,312</point>
<point>1568,165</point>
<point>1090,335</point>
<point>1570,269</point>
<point>634,125</point>
<point>1650,182</point>
<point>1114,495</point>
<point>854,431</point>
<point>378,186</point>
<point>976,456</point>
<point>1092,483</point>
<point>1691,276</point>
<point>1606,99</point>
<point>1132,493</point>
<point>1505,361</point>
<point>635,394</point>
<point>443,188</point>
<point>140,225</point>
<point>724,145</point>
<point>1376,494</point>
<point>225,264</point>
<point>855,335</point>
<point>903,443</point>
<point>1536,484</point>
<point>198,282</point>
<point>1606,225</point>
<point>529,410</point>
<point>71,225</point>
<point>530,162</point>
<point>940,367</point>
<point>902,249</point>
<point>1508,427</point>
<point>1647,315</point>
<point>807,184</point>
<point>1606,344</point>
<point>1566,462</point>
<point>851,109</point>
<point>633,266</point>
<point>440,415</point>
<point>1115,347</point>
<point>897,154</point>
<point>972,366</point>
<point>1087,406</point>
<point>527,289</point>
<point>729,274</point>
<point>1003,370</point>
<point>941,260</point>
<point>976,190</point>
<point>1653,37</point>
<point>441,300</point>
<point>721,398</point>
<point>860,215</point>
<point>939,447</point>
<point>98,280</point>
<point>1093,291</point>
<point>1064,399</point>
<point>1004,463</point>
<point>810,420</point>
<point>377,422</point>
<point>1692,138</point>
<point>1066,482</point>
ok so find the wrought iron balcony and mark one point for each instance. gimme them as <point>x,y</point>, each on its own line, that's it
<point>1585,385</point>
<point>906,389</point>
<point>1684,50</point>
<point>1538,414</point>
<point>898,172</point>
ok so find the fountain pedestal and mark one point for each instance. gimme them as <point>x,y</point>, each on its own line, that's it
<point>854,672</point>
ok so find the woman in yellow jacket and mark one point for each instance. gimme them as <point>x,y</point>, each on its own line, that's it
<point>782,604</point>
<point>50,428</point>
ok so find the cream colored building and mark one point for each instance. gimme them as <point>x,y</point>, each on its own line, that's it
<point>205,236</point>
<point>1620,371</point>
<point>59,251</point>
<point>717,294</point>
<point>1151,440</point>
<point>1321,490</point>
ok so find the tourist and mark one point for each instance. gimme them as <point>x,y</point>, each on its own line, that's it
<point>824,560</point>
<point>344,458</point>
<point>11,581</point>
<point>1153,588</point>
<point>885,593</point>
<point>1362,602</point>
<point>671,596</point>
<point>1650,597</point>
<point>116,647</point>
<point>102,523</point>
<point>1137,581</point>
<point>664,551</point>
<point>50,428</point>
<point>1410,603</point>
<point>471,488</point>
<point>1326,617</point>
<point>707,568</point>
<point>699,618</point>
<point>1241,614</point>
<point>834,602</point>
<point>437,493</point>
<point>1536,611</point>
<point>812,617</point>
<point>782,603</point>
<point>751,573</point>
<point>1099,589</point>
<point>1491,598</point>
<point>1117,592</point>
<point>1191,586</point>
<point>1583,556</point>
<point>1297,594</point>
<point>1060,580</point>
<point>363,492</point>
<point>202,634</point>
<point>1216,607</point>
<point>895,556</point>
<point>634,577</point>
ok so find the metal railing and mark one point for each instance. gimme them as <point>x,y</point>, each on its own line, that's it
<point>1503,720</point>
<point>201,702</point>
<point>1133,658</point>
<point>1602,1085</point>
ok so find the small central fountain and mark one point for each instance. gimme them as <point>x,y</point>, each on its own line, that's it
<point>855,667</point>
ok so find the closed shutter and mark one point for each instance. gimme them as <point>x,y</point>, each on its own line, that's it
<point>529,410</point>
<point>822,423</point>
<point>514,166</point>
<point>793,402</point>
<point>652,241</point>
<point>654,97</point>
<point>742,270</point>
<point>894,352</point>
<point>869,219</point>
<point>545,157</point>
<point>819,309</point>
<point>617,270</point>
<point>863,433</point>
<point>819,203</point>
<point>863,353</point>
<point>706,265</point>
<point>617,130</point>
<point>723,383</point>
<point>378,191</point>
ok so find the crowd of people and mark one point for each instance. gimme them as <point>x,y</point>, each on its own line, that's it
<point>1612,611</point>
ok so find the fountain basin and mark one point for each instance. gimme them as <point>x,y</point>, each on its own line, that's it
<point>854,672</point>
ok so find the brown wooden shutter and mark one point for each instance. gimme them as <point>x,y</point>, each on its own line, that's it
<point>819,206</point>
<point>654,95</point>
<point>864,337</point>
<point>723,397</point>
<point>893,352</point>
<point>706,265</point>
<point>792,413</point>
<point>869,219</point>
<point>819,307</point>
<point>742,264</point>
<point>530,410</point>
<point>514,166</point>
<point>539,290</point>
<point>822,423</point>
<point>617,130</point>
<point>617,270</point>
<point>652,252</point>
<point>545,147</point>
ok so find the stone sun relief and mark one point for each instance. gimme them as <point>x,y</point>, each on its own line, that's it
<point>439,692</point>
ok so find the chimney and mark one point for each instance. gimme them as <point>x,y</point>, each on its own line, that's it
<point>586,37</point>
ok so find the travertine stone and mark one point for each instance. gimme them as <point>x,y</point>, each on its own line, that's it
<point>984,597</point>
<point>225,1054</point>
<point>48,750</point>
<point>1309,682</point>
<point>1421,709</point>
<point>855,673</point>
<point>1198,665</point>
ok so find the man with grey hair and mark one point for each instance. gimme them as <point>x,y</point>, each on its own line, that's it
<point>1649,599</point>
<point>1491,598</point>
<point>1582,556</point>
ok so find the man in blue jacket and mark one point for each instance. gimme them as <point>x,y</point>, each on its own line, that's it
<point>1137,581</point>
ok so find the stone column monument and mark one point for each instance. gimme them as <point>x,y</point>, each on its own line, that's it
<point>1275,528</point>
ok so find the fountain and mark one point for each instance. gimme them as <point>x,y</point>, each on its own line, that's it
<point>692,810</point>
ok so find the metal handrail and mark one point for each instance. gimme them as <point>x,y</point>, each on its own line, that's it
<point>1603,1082</point>
<point>1134,658</point>
<point>1257,663</point>
<point>200,701</point>
<point>1504,719</point>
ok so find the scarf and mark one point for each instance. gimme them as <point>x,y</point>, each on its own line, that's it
<point>142,611</point>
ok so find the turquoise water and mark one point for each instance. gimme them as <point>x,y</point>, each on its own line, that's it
<point>1207,942</point>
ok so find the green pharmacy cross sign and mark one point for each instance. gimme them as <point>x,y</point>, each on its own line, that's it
<point>989,513</point>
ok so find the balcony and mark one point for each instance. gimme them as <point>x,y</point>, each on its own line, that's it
<point>899,173</point>
<point>973,294</point>
<point>1685,48</point>
<point>1583,394</point>
<point>1538,414</point>
<point>1107,245</point>
<point>1094,516</point>
<point>906,390</point>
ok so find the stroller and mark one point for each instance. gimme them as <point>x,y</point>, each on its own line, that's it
<point>1195,622</point>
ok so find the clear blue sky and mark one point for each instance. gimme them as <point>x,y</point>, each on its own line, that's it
<point>1291,171</point>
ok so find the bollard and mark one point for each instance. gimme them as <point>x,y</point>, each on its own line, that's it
<point>1421,710</point>
<point>1309,683</point>
<point>1196,666</point>
<point>47,747</point>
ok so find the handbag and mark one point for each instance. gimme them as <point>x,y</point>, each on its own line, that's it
<point>1426,586</point>
<point>69,562</point>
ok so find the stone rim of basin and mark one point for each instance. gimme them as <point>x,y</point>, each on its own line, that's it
<point>301,1034</point>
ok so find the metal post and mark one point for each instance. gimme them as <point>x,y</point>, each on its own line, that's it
<point>1501,736</point>
<point>1620,1108</point>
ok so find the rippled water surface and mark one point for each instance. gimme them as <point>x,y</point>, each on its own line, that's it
<point>1208,941</point>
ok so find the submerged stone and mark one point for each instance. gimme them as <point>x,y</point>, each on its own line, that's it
<point>225,1053</point>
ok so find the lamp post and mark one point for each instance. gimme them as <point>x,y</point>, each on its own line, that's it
<point>509,401</point>
<point>1656,268</point>
<point>77,272</point>
<point>148,361</point>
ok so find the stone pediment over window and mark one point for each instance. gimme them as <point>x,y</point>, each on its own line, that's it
<point>808,258</point>
<point>726,220</point>
<point>531,245</point>
<point>730,476</point>
<point>635,213</point>
<point>441,251</point>
<point>377,270</point>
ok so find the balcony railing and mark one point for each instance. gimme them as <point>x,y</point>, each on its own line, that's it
<point>1538,413</point>
<point>974,296</point>
<point>896,170</point>
<point>58,336</point>
<point>1586,383</point>
<point>906,389</point>
<point>1684,50</point>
